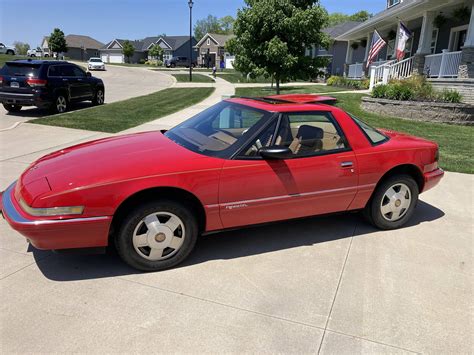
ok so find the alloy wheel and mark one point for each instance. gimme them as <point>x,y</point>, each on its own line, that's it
<point>100,97</point>
<point>61,104</point>
<point>159,236</point>
<point>395,202</point>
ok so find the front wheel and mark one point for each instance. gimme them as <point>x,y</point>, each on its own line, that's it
<point>99,97</point>
<point>393,202</point>
<point>157,235</point>
<point>12,108</point>
<point>10,52</point>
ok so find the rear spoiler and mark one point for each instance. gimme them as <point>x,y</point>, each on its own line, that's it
<point>303,99</point>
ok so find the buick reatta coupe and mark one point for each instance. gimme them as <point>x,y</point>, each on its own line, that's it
<point>242,162</point>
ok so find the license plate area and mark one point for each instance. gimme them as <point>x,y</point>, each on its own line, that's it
<point>15,84</point>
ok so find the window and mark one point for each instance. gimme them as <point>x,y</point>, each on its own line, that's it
<point>78,72</point>
<point>391,3</point>
<point>374,136</point>
<point>220,130</point>
<point>264,139</point>
<point>66,70</point>
<point>54,71</point>
<point>20,69</point>
<point>208,41</point>
<point>310,133</point>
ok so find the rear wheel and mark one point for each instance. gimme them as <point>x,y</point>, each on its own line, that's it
<point>98,97</point>
<point>173,65</point>
<point>10,52</point>
<point>12,108</point>
<point>393,202</point>
<point>157,235</point>
<point>60,104</point>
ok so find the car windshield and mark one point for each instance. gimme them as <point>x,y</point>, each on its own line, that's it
<point>20,69</point>
<point>375,136</point>
<point>96,60</point>
<point>220,130</point>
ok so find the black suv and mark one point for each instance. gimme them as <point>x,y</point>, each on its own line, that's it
<point>47,84</point>
<point>179,62</point>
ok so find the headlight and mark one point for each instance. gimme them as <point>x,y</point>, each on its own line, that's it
<point>53,211</point>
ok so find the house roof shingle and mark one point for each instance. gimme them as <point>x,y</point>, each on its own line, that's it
<point>78,41</point>
<point>142,45</point>
<point>337,30</point>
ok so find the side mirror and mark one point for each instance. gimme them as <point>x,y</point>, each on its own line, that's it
<point>88,74</point>
<point>275,152</point>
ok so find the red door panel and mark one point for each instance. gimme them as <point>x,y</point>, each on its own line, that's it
<point>258,191</point>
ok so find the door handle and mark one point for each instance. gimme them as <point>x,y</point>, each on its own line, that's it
<point>65,79</point>
<point>347,164</point>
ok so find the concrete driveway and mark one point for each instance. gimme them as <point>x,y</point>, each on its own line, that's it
<point>330,284</point>
<point>120,83</point>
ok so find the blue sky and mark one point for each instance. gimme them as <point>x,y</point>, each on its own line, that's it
<point>30,20</point>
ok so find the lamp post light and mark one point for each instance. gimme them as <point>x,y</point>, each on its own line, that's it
<point>190,3</point>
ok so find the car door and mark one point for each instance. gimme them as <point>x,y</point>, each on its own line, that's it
<point>320,175</point>
<point>69,81</point>
<point>84,84</point>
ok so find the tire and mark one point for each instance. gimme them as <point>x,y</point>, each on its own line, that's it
<point>61,104</point>
<point>171,245</point>
<point>12,108</point>
<point>173,65</point>
<point>392,213</point>
<point>10,52</point>
<point>33,55</point>
<point>99,97</point>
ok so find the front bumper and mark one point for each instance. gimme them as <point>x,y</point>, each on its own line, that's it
<point>55,233</point>
<point>432,178</point>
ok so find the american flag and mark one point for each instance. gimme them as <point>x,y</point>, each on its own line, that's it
<point>377,44</point>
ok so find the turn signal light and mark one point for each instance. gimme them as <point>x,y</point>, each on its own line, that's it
<point>36,82</point>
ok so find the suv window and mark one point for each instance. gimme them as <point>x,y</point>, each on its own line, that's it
<point>310,133</point>
<point>66,70</point>
<point>20,69</point>
<point>78,72</point>
<point>54,71</point>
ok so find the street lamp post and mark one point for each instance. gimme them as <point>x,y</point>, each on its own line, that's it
<point>190,3</point>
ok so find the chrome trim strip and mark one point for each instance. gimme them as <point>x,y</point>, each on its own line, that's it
<point>11,212</point>
<point>16,94</point>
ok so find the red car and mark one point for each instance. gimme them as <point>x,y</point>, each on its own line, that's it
<point>243,161</point>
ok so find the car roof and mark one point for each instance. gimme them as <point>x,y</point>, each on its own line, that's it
<point>34,61</point>
<point>284,103</point>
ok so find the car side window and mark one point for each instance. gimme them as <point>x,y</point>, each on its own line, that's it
<point>66,70</point>
<point>54,71</point>
<point>78,72</point>
<point>310,133</point>
<point>264,139</point>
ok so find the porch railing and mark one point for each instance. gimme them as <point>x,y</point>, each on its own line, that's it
<point>401,70</point>
<point>355,71</point>
<point>443,65</point>
<point>383,73</point>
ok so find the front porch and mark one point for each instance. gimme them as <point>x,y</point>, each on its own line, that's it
<point>441,46</point>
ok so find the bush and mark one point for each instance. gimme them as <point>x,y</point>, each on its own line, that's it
<point>379,91</point>
<point>340,81</point>
<point>142,61</point>
<point>452,96</point>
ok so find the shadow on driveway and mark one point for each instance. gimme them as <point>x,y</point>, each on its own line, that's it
<point>228,245</point>
<point>28,112</point>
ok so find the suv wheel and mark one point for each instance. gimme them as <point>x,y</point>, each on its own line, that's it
<point>10,52</point>
<point>173,65</point>
<point>393,203</point>
<point>60,104</point>
<point>157,235</point>
<point>12,108</point>
<point>98,97</point>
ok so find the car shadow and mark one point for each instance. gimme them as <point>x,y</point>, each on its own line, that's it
<point>34,112</point>
<point>227,245</point>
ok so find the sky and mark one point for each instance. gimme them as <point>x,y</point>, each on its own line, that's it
<point>29,20</point>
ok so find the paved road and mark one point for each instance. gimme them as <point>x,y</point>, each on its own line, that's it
<point>120,83</point>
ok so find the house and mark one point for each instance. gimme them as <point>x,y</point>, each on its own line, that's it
<point>337,49</point>
<point>211,49</point>
<point>441,46</point>
<point>79,47</point>
<point>172,45</point>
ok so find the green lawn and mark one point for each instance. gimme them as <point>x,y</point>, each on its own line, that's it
<point>265,91</point>
<point>197,78</point>
<point>6,58</point>
<point>236,78</point>
<point>118,116</point>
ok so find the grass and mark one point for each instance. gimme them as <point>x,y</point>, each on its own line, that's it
<point>455,141</point>
<point>197,78</point>
<point>265,91</point>
<point>6,58</point>
<point>118,116</point>
<point>130,65</point>
<point>236,78</point>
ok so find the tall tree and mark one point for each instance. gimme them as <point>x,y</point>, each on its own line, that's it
<point>57,42</point>
<point>156,52</point>
<point>212,24</point>
<point>227,24</point>
<point>128,49</point>
<point>338,17</point>
<point>21,48</point>
<point>272,37</point>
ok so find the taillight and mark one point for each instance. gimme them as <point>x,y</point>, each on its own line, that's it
<point>1,80</point>
<point>36,82</point>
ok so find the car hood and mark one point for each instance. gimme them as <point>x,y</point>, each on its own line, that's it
<point>109,160</point>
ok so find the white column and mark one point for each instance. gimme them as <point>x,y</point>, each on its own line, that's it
<point>424,45</point>
<point>349,52</point>
<point>367,47</point>
<point>470,30</point>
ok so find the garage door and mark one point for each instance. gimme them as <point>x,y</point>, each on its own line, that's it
<point>104,58</point>
<point>115,58</point>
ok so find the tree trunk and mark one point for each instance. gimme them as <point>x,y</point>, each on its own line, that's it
<point>271,87</point>
<point>277,85</point>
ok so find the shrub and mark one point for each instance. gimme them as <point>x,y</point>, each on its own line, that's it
<point>142,61</point>
<point>379,91</point>
<point>347,83</point>
<point>450,96</point>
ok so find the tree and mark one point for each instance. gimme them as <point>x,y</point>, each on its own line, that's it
<point>156,52</point>
<point>272,37</point>
<point>212,24</point>
<point>57,42</point>
<point>21,48</point>
<point>128,49</point>
<point>338,17</point>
